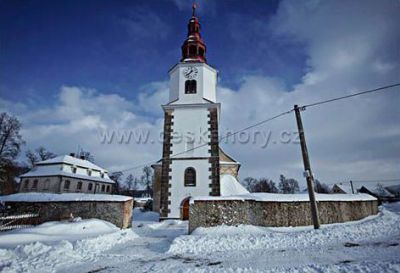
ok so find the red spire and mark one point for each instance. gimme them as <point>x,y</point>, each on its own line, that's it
<point>194,48</point>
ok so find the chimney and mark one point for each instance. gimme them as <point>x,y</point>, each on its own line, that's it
<point>72,154</point>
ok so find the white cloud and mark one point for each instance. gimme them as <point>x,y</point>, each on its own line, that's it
<point>350,47</point>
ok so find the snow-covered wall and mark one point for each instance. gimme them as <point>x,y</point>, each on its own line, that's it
<point>214,212</point>
<point>117,211</point>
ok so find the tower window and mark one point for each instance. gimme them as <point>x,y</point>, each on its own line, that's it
<point>201,51</point>
<point>190,87</point>
<point>192,50</point>
<point>190,177</point>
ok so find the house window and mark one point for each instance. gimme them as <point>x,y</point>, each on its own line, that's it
<point>190,87</point>
<point>35,183</point>
<point>108,188</point>
<point>102,175</point>
<point>66,184</point>
<point>73,169</point>
<point>190,177</point>
<point>89,172</point>
<point>103,188</point>
<point>79,186</point>
<point>90,187</point>
<point>46,184</point>
<point>26,183</point>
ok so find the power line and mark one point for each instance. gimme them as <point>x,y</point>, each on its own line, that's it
<point>270,119</point>
<point>352,95</point>
<point>206,144</point>
<point>365,181</point>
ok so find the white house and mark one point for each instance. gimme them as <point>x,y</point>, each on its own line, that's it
<point>66,173</point>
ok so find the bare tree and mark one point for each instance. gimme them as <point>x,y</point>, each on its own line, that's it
<point>321,187</point>
<point>288,185</point>
<point>10,138</point>
<point>147,179</point>
<point>10,146</point>
<point>116,177</point>
<point>40,154</point>
<point>44,154</point>
<point>249,183</point>
<point>32,158</point>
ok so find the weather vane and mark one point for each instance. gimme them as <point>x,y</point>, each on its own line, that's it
<point>194,9</point>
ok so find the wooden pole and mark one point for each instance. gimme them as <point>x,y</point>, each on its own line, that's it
<point>307,169</point>
<point>352,188</point>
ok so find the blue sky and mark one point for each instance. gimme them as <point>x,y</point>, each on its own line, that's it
<point>119,46</point>
<point>69,69</point>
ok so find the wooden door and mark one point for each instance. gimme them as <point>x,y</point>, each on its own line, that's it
<point>185,209</point>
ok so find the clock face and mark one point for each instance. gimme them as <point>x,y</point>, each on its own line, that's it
<point>190,72</point>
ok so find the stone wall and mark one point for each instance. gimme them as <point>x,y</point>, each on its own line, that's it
<point>117,212</point>
<point>208,213</point>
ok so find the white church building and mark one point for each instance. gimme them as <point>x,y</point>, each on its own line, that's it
<point>192,162</point>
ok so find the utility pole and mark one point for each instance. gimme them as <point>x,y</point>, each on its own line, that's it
<point>352,188</point>
<point>307,169</point>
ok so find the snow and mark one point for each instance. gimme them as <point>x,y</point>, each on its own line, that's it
<point>61,166</point>
<point>230,186</point>
<point>57,171</point>
<point>54,245</point>
<point>278,197</point>
<point>67,159</point>
<point>61,197</point>
<point>369,245</point>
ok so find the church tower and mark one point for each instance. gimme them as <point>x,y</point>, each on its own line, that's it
<point>190,161</point>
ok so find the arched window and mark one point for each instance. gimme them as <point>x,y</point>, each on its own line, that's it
<point>103,188</point>
<point>90,187</point>
<point>190,177</point>
<point>35,183</point>
<point>79,186</point>
<point>190,87</point>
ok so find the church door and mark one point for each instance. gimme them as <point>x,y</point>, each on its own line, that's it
<point>185,209</point>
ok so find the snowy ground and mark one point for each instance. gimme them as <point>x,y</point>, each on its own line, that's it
<point>370,245</point>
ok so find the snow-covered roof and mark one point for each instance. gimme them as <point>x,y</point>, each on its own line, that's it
<point>38,172</point>
<point>61,197</point>
<point>393,188</point>
<point>62,166</point>
<point>345,187</point>
<point>230,186</point>
<point>67,159</point>
<point>279,197</point>
<point>378,191</point>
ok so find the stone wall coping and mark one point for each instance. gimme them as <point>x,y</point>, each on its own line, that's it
<point>277,197</point>
<point>63,197</point>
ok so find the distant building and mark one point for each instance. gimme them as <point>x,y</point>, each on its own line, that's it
<point>394,189</point>
<point>66,173</point>
<point>342,188</point>
<point>379,192</point>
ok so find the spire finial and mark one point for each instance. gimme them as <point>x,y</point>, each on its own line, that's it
<point>194,9</point>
